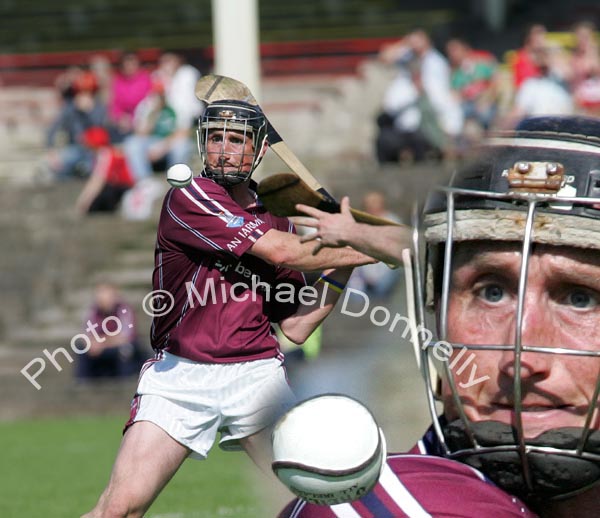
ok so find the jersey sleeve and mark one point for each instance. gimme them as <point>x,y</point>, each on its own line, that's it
<point>203,216</point>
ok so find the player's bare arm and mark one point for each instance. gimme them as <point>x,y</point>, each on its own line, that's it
<point>285,249</point>
<point>339,230</point>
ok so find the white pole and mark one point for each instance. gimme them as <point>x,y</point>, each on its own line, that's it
<point>494,13</point>
<point>236,41</point>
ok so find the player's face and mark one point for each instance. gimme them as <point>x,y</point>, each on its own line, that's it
<point>561,309</point>
<point>229,150</point>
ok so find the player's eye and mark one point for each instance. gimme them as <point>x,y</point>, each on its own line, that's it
<point>236,140</point>
<point>581,299</point>
<point>215,139</point>
<point>493,293</point>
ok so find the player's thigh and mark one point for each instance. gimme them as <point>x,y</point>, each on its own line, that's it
<point>146,461</point>
<point>259,448</point>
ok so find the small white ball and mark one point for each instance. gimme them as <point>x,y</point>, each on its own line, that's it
<point>328,450</point>
<point>179,175</point>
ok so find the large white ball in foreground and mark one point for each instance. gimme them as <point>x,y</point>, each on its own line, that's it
<point>179,175</point>
<point>328,449</point>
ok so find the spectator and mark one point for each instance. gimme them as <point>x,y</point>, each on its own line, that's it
<point>65,82</point>
<point>101,66</point>
<point>155,136</point>
<point>526,63</point>
<point>111,328</point>
<point>585,59</point>
<point>419,111</point>
<point>473,78</point>
<point>540,95</point>
<point>585,64</point>
<point>110,177</point>
<point>130,84</point>
<point>79,112</point>
<point>179,79</point>
<point>164,119</point>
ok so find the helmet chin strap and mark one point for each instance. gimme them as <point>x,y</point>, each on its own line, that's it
<point>557,470</point>
<point>227,179</point>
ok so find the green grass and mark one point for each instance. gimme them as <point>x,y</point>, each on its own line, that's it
<point>57,468</point>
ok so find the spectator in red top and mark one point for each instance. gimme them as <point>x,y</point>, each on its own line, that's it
<point>110,177</point>
<point>130,84</point>
<point>525,64</point>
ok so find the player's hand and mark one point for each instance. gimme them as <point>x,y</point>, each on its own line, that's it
<point>331,230</point>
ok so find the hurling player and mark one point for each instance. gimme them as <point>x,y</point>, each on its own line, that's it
<point>227,269</point>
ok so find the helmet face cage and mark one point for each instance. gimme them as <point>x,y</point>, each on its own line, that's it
<point>248,122</point>
<point>534,175</point>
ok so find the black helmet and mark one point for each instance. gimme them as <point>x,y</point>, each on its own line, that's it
<point>537,184</point>
<point>238,116</point>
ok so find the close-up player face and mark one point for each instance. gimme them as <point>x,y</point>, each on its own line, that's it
<point>229,150</point>
<point>561,310</point>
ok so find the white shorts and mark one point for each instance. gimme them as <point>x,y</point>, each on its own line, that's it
<point>193,401</point>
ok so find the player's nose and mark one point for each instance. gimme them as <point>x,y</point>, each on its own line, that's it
<point>536,330</point>
<point>228,146</point>
<point>538,327</point>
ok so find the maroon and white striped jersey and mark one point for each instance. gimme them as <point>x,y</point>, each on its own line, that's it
<point>223,298</point>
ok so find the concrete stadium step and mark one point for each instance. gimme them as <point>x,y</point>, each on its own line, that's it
<point>141,277</point>
<point>44,337</point>
<point>25,113</point>
<point>135,258</point>
<point>19,170</point>
<point>53,315</point>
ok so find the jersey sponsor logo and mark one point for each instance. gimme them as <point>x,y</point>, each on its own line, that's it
<point>222,267</point>
<point>234,221</point>
<point>239,268</point>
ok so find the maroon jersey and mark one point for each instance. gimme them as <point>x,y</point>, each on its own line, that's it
<point>224,299</point>
<point>422,486</point>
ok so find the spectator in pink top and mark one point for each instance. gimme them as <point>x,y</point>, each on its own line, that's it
<point>130,84</point>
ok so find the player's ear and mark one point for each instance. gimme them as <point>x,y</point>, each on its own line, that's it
<point>263,150</point>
